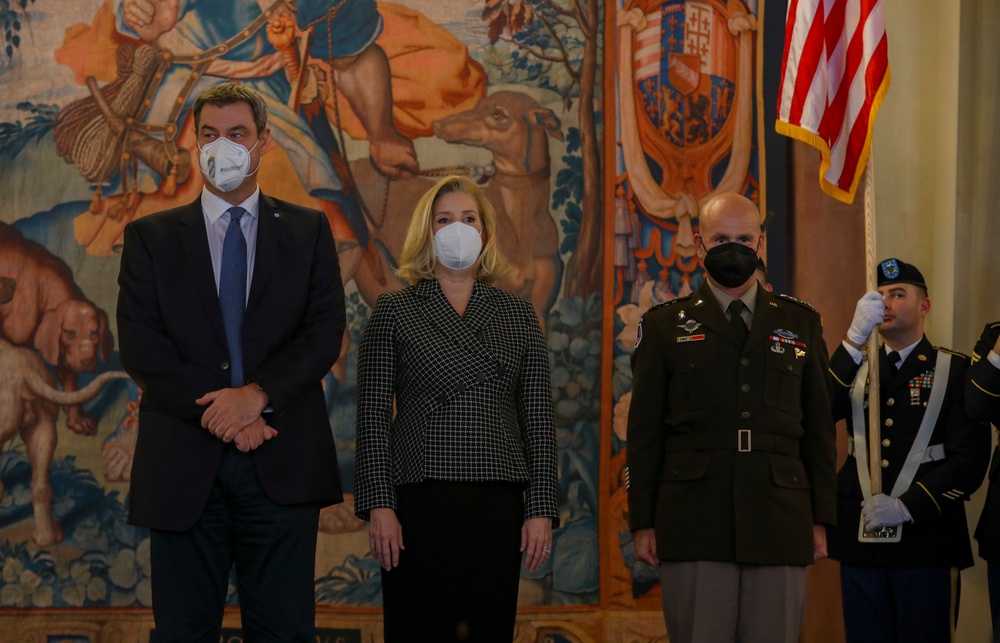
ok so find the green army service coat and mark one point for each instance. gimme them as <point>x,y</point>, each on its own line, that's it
<point>731,450</point>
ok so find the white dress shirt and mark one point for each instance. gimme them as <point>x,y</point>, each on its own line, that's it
<point>216,216</point>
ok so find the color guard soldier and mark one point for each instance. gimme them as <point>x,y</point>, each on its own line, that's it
<point>982,400</point>
<point>901,550</point>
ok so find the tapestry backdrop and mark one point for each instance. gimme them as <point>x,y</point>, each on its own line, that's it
<point>95,132</point>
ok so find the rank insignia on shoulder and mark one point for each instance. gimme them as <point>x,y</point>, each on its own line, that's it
<point>796,301</point>
<point>664,304</point>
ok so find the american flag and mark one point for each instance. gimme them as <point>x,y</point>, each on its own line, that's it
<point>834,75</point>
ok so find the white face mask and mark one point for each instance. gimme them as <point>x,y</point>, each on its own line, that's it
<point>225,164</point>
<point>457,245</point>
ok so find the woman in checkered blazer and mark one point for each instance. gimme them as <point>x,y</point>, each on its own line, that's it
<point>456,452</point>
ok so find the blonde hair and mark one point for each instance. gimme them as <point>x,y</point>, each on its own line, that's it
<point>418,259</point>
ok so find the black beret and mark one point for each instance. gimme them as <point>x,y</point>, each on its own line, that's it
<point>894,271</point>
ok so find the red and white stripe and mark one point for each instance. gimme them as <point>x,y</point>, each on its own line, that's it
<point>647,48</point>
<point>834,75</point>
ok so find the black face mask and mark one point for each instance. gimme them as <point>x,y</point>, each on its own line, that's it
<point>731,264</point>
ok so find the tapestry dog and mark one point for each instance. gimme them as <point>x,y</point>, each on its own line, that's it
<point>515,129</point>
<point>28,402</point>
<point>48,311</point>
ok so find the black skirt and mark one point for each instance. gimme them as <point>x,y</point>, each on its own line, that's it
<point>458,575</point>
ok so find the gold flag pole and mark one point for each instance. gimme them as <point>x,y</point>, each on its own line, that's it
<point>871,283</point>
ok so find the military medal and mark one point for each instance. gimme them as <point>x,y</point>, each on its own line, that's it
<point>780,336</point>
<point>690,338</point>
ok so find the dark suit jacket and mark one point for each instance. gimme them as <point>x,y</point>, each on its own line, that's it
<point>982,400</point>
<point>936,498</point>
<point>693,389</point>
<point>471,394</point>
<point>173,345</point>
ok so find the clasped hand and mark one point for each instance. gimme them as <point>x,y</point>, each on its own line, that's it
<point>234,415</point>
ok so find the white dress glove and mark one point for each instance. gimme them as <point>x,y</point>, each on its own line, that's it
<point>885,510</point>
<point>867,315</point>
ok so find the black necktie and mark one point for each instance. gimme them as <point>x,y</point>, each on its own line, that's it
<point>736,323</point>
<point>894,359</point>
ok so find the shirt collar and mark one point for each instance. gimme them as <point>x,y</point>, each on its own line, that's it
<point>214,206</point>
<point>749,297</point>
<point>904,353</point>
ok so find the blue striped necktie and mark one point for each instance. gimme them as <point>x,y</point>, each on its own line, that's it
<point>233,292</point>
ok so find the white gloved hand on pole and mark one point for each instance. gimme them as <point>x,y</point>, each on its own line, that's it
<point>867,315</point>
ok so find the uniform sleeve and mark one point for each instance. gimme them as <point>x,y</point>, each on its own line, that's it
<point>842,371</point>
<point>967,454</point>
<point>818,445</point>
<point>373,485</point>
<point>646,432</point>
<point>982,385</point>
<point>538,426</point>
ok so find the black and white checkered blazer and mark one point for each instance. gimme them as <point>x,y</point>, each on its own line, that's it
<point>472,397</point>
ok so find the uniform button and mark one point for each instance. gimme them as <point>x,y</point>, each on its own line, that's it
<point>885,442</point>
<point>745,415</point>
<point>745,361</point>
<point>745,388</point>
<point>885,463</point>
<point>890,402</point>
<point>690,364</point>
<point>888,421</point>
<point>225,366</point>
<point>789,367</point>
<point>675,472</point>
<point>795,478</point>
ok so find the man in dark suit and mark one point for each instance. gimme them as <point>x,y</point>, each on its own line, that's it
<point>731,447</point>
<point>901,584</point>
<point>230,313</point>
<point>982,401</point>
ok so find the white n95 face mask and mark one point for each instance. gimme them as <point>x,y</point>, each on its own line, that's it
<point>457,245</point>
<point>225,164</point>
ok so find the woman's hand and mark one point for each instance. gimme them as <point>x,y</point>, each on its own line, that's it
<point>536,540</point>
<point>385,537</point>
